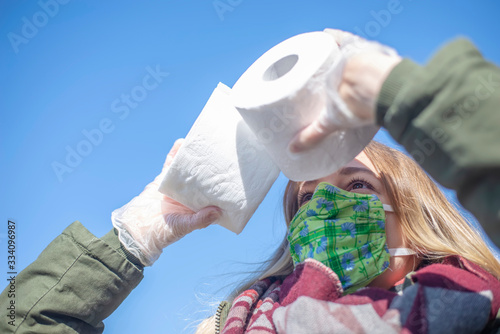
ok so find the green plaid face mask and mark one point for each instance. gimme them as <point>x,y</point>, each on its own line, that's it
<point>346,232</point>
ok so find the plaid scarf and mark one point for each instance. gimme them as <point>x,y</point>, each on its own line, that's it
<point>455,296</point>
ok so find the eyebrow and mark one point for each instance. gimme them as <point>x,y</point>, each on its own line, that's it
<point>345,171</point>
<point>353,170</point>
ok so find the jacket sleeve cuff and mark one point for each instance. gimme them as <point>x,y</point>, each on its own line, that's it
<point>75,283</point>
<point>104,249</point>
<point>111,238</point>
<point>391,87</point>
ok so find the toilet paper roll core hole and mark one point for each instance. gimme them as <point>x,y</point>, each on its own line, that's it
<point>280,67</point>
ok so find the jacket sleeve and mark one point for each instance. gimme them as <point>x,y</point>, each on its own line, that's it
<point>447,116</point>
<point>75,283</point>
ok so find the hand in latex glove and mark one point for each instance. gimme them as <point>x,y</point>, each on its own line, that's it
<point>354,90</point>
<point>152,221</point>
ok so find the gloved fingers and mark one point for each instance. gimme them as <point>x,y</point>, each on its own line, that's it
<point>342,37</point>
<point>205,217</point>
<point>351,44</point>
<point>168,161</point>
<point>173,151</point>
<point>310,136</point>
<point>180,224</point>
<point>169,205</point>
<point>152,221</point>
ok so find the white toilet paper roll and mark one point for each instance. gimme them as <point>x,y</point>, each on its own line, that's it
<point>230,159</point>
<point>221,163</point>
<point>284,91</point>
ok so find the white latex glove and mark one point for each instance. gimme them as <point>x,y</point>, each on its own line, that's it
<point>356,80</point>
<point>152,221</point>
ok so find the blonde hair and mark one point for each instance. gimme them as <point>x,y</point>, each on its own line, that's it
<point>431,225</point>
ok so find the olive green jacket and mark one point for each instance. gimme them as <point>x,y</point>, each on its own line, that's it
<point>75,283</point>
<point>446,115</point>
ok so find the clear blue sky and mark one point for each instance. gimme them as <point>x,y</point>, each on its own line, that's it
<point>64,70</point>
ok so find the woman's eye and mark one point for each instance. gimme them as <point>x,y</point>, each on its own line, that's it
<point>358,185</point>
<point>305,198</point>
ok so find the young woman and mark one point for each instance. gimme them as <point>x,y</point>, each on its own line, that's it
<point>440,265</point>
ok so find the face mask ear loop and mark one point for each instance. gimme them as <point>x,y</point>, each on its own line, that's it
<point>401,251</point>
